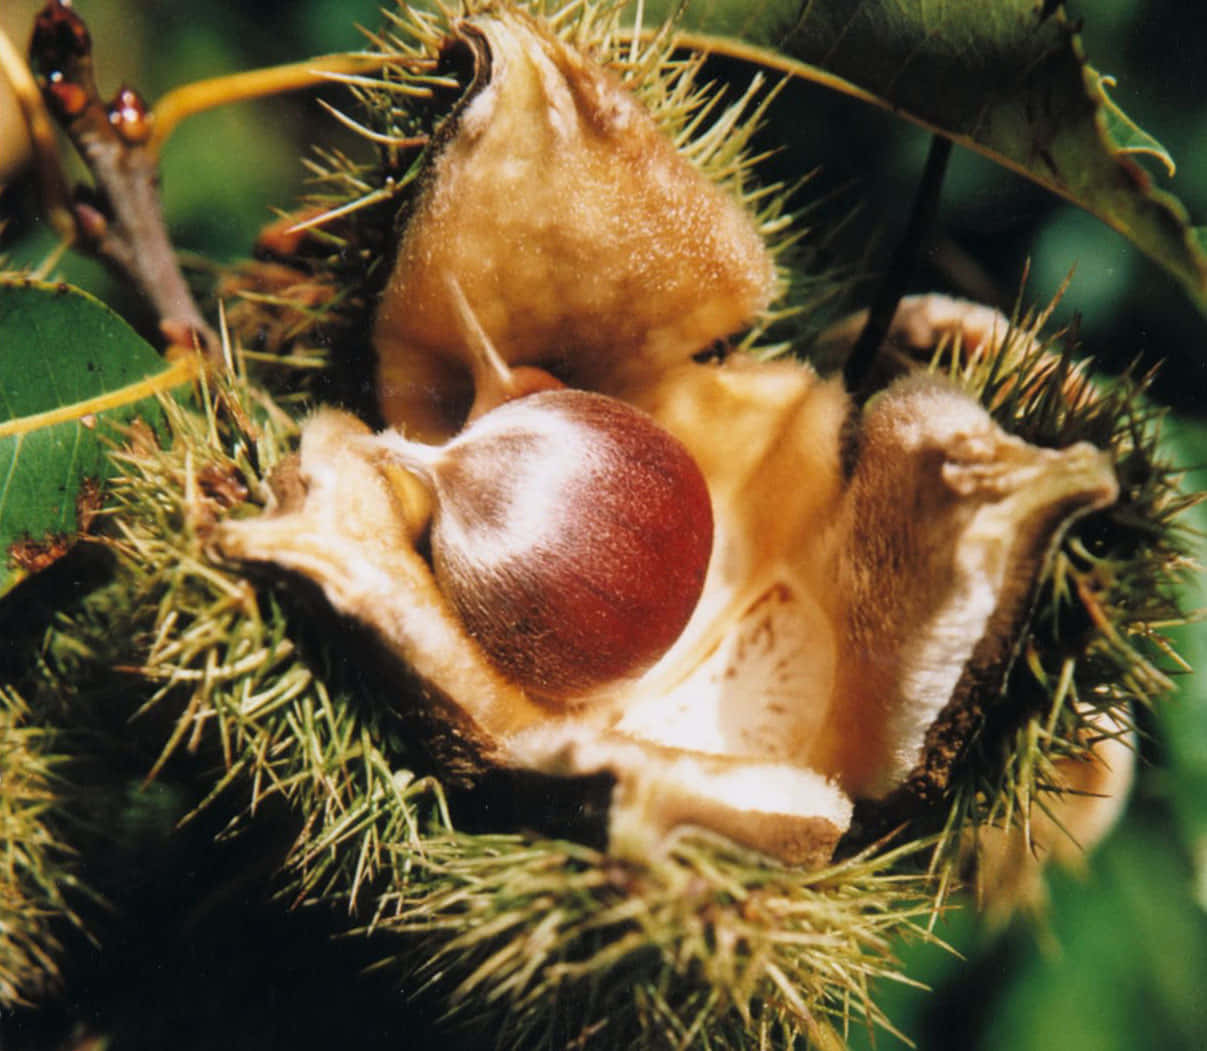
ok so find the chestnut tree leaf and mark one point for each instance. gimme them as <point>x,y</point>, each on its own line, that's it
<point>71,374</point>
<point>1006,78</point>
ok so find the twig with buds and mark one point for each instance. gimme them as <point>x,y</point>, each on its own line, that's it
<point>121,219</point>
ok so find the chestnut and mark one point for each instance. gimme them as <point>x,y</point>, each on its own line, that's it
<point>571,533</point>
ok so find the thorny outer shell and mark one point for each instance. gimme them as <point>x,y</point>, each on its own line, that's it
<point>1093,791</point>
<point>845,601</point>
<point>721,733</point>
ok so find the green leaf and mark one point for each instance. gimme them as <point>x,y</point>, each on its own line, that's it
<point>71,372</point>
<point>1007,79</point>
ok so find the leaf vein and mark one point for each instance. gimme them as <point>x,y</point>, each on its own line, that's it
<point>175,375</point>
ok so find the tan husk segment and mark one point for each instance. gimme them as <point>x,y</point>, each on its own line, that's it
<point>863,559</point>
<point>582,239</point>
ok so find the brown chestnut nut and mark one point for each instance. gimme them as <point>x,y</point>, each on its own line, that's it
<point>571,533</point>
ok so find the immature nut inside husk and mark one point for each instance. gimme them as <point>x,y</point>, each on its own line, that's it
<point>869,566</point>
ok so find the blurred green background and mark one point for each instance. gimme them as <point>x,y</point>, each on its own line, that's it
<point>1121,962</point>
